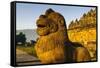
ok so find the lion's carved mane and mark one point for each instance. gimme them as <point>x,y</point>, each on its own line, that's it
<point>53,45</point>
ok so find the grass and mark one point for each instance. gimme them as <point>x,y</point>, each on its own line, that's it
<point>29,49</point>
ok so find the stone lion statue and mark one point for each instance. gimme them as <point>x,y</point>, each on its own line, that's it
<point>53,45</point>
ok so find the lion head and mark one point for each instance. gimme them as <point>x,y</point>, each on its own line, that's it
<point>50,22</point>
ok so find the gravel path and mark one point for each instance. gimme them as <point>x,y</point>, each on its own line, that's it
<point>22,58</point>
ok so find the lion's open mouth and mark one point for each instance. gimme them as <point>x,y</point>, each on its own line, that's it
<point>41,25</point>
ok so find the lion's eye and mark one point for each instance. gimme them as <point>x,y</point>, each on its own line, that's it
<point>61,22</point>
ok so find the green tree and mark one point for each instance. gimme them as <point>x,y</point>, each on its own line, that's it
<point>20,38</point>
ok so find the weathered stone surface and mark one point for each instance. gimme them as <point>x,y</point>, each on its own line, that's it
<point>53,45</point>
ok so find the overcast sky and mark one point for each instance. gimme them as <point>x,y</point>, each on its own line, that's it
<point>28,13</point>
